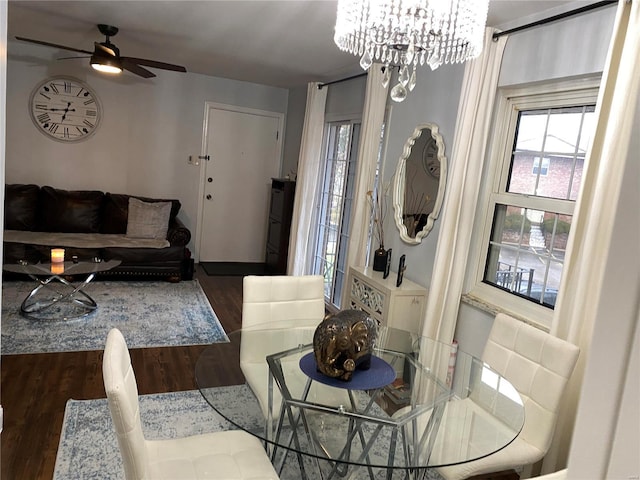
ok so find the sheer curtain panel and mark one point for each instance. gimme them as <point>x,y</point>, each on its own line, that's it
<point>370,137</point>
<point>584,280</point>
<point>307,180</point>
<point>468,152</point>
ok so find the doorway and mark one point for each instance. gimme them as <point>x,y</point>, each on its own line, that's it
<point>243,150</point>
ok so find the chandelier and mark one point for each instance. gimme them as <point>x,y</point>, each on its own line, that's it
<point>405,33</point>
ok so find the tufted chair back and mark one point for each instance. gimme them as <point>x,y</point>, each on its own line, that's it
<point>122,394</point>
<point>280,298</point>
<point>273,303</point>
<point>538,365</point>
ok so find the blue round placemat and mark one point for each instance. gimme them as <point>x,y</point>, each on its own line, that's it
<point>379,375</point>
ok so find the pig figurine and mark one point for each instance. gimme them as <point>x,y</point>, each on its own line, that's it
<point>343,342</point>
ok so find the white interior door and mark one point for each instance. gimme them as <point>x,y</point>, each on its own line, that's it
<point>244,154</point>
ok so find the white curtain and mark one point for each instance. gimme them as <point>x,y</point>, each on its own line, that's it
<point>368,149</point>
<point>307,181</point>
<point>468,152</point>
<point>593,223</point>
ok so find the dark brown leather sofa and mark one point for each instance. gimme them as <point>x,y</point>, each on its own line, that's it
<point>47,209</point>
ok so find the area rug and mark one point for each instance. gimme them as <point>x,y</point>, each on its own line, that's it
<point>88,446</point>
<point>149,314</point>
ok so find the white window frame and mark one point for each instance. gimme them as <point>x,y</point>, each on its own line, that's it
<point>509,101</point>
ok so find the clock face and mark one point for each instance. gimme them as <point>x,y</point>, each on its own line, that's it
<point>430,159</point>
<point>65,109</point>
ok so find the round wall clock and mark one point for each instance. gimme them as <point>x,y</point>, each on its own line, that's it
<point>65,109</point>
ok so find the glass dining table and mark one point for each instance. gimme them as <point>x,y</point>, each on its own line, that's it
<point>422,404</point>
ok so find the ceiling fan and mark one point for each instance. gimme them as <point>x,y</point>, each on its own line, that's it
<point>106,56</point>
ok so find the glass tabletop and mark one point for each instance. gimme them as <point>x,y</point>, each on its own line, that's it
<point>63,268</point>
<point>440,406</point>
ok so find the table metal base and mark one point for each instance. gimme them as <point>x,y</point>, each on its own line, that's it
<point>35,306</point>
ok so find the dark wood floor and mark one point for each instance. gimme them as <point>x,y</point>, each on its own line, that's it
<point>35,388</point>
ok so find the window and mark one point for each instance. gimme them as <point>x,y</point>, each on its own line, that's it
<point>538,169</point>
<point>336,197</point>
<point>538,160</point>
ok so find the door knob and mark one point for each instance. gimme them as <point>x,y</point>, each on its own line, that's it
<point>209,197</point>
<point>209,179</point>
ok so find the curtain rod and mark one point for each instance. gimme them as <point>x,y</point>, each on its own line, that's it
<point>341,80</point>
<point>553,18</point>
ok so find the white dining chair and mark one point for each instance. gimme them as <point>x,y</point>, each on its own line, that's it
<point>226,455</point>
<point>538,365</point>
<point>290,307</point>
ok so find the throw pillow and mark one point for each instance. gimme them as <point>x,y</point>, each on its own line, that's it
<point>148,219</point>
<point>116,211</point>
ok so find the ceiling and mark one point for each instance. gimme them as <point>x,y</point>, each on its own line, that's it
<point>283,43</point>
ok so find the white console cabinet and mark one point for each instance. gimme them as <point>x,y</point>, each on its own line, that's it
<point>400,307</point>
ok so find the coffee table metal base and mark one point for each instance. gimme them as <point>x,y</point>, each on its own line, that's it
<point>35,306</point>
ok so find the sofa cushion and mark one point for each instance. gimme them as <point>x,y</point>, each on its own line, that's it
<point>21,207</point>
<point>148,219</point>
<point>71,211</point>
<point>116,211</point>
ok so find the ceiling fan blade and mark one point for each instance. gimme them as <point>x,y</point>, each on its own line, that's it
<point>154,64</point>
<point>70,58</point>
<point>104,49</point>
<point>54,45</point>
<point>137,69</point>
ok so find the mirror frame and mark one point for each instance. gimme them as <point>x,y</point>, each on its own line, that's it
<point>400,184</point>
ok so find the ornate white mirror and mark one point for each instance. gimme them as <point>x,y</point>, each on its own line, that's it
<point>419,183</point>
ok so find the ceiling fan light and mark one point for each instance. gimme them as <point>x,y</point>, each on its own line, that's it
<point>105,65</point>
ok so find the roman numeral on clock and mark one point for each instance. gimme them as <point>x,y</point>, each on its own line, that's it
<point>89,102</point>
<point>67,87</point>
<point>88,123</point>
<point>43,117</point>
<point>54,88</point>
<point>53,128</point>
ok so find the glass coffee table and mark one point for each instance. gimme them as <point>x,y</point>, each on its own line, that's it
<point>55,297</point>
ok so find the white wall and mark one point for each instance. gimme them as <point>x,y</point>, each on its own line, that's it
<point>434,100</point>
<point>296,107</point>
<point>149,128</point>
<point>345,99</point>
<point>572,47</point>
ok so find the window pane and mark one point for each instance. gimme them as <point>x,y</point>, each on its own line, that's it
<point>526,252</point>
<point>550,149</point>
